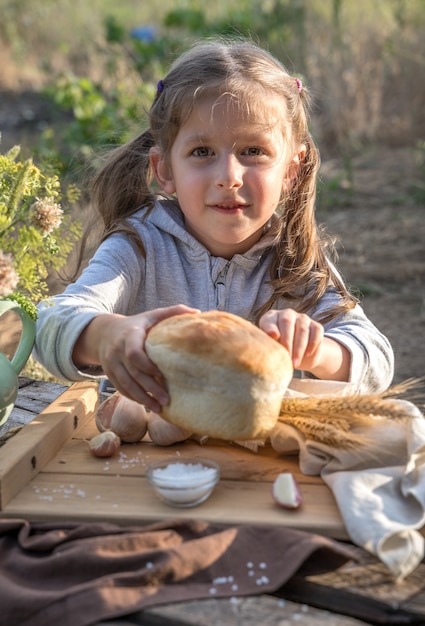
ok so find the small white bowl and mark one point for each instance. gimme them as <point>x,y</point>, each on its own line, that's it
<point>183,482</point>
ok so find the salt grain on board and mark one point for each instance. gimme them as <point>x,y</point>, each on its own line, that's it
<point>220,581</point>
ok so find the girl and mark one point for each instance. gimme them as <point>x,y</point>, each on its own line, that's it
<point>232,228</point>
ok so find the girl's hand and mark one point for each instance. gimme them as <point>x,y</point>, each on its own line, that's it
<point>117,343</point>
<point>309,349</point>
<point>297,332</point>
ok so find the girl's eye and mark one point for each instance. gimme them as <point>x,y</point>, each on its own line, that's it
<point>202,152</point>
<point>253,151</point>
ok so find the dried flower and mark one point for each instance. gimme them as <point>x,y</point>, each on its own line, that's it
<point>8,277</point>
<point>36,235</point>
<point>46,215</point>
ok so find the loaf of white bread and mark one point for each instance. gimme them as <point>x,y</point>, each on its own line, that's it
<point>225,376</point>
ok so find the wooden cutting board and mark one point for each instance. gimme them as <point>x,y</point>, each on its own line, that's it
<point>48,473</point>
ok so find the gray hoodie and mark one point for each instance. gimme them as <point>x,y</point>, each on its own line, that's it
<point>177,269</point>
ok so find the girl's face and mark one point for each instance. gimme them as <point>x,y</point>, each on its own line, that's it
<point>228,174</point>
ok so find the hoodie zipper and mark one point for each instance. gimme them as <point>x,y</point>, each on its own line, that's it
<point>220,287</point>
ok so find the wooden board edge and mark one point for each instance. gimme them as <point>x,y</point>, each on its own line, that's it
<point>128,500</point>
<point>26,454</point>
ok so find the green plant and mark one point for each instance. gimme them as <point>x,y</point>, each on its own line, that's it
<point>36,234</point>
<point>101,117</point>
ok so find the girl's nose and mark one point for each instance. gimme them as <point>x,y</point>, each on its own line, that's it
<point>229,173</point>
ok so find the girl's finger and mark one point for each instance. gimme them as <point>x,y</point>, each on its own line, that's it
<point>147,392</point>
<point>269,324</point>
<point>287,329</point>
<point>316,338</point>
<point>301,339</point>
<point>308,338</point>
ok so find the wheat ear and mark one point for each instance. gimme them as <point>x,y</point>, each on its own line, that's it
<point>331,419</point>
<point>330,434</point>
<point>359,409</point>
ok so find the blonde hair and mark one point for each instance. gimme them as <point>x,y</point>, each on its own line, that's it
<point>300,269</point>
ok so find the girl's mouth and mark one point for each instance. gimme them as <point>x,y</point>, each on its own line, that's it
<point>229,207</point>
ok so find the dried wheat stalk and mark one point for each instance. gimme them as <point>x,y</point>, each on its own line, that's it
<point>331,434</point>
<point>331,419</point>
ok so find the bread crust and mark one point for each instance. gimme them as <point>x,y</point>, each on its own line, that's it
<point>224,375</point>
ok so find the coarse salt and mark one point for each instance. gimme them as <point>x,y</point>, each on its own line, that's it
<point>184,473</point>
<point>184,484</point>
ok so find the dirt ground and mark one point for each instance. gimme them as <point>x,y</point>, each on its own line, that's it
<point>377,213</point>
<point>382,248</point>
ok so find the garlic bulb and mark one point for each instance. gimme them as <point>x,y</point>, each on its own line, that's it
<point>163,433</point>
<point>124,417</point>
<point>105,444</point>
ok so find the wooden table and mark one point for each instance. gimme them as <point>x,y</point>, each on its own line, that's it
<point>43,447</point>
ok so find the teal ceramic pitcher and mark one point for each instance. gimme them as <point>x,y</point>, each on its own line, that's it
<point>9,369</point>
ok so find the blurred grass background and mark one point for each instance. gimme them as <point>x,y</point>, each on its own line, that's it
<point>363,59</point>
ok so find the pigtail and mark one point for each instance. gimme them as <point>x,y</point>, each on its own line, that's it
<point>118,189</point>
<point>122,185</point>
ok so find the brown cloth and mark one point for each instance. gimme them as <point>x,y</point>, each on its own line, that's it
<point>79,573</point>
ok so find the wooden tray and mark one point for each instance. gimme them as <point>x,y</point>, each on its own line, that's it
<point>48,473</point>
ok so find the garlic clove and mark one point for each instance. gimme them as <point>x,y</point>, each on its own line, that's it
<point>286,491</point>
<point>129,420</point>
<point>163,433</point>
<point>105,411</point>
<point>126,418</point>
<point>105,444</point>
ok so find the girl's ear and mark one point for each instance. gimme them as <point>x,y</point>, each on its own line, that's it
<point>161,170</point>
<point>294,167</point>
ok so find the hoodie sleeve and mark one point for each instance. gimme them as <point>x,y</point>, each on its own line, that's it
<point>372,357</point>
<point>109,284</point>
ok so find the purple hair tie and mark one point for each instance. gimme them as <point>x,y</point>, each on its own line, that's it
<point>160,86</point>
<point>299,84</point>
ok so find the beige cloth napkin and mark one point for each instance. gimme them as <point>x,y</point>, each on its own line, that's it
<point>379,488</point>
